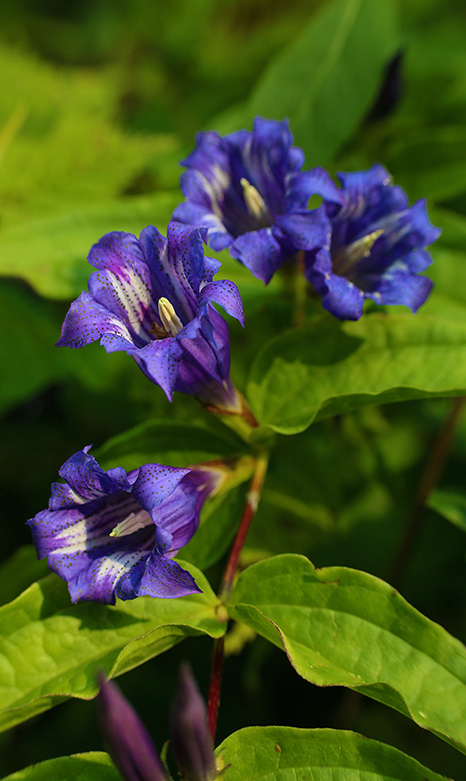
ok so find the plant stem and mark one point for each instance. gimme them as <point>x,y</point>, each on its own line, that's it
<point>300,291</point>
<point>252,503</point>
<point>249,511</point>
<point>429,480</point>
<point>215,687</point>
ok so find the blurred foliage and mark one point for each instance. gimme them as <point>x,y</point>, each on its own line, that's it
<point>100,100</point>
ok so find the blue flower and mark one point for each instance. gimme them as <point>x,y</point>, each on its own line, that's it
<point>372,245</point>
<point>245,191</point>
<point>113,534</point>
<point>153,298</point>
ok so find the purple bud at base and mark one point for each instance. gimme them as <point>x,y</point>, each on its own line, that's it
<point>190,736</point>
<point>128,742</point>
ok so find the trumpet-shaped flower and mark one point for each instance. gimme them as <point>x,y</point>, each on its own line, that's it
<point>113,534</point>
<point>246,192</point>
<point>153,298</point>
<point>372,245</point>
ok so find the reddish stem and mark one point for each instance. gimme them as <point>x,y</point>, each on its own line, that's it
<point>252,503</point>
<point>249,511</point>
<point>215,687</point>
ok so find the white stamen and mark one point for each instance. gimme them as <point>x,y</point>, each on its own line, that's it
<point>170,320</point>
<point>255,202</point>
<point>347,257</point>
<point>131,524</point>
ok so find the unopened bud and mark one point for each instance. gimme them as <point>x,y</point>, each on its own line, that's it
<point>190,736</point>
<point>128,742</point>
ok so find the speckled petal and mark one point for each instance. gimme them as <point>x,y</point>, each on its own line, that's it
<point>165,579</point>
<point>226,294</point>
<point>155,483</point>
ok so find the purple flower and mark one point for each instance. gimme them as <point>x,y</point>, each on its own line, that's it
<point>129,744</point>
<point>153,298</point>
<point>190,737</point>
<point>372,245</point>
<point>245,191</point>
<point>113,534</point>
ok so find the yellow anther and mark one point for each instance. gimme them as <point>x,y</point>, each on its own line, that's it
<point>170,320</point>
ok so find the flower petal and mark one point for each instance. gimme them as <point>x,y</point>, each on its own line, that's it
<point>164,578</point>
<point>259,251</point>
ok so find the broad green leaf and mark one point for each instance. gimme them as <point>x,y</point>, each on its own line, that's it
<point>451,505</point>
<point>325,82</point>
<point>328,368</point>
<point>29,359</point>
<point>50,253</point>
<point>50,649</point>
<point>285,753</point>
<point>170,442</point>
<point>93,766</point>
<point>341,627</point>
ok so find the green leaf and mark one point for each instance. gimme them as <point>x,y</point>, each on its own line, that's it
<point>285,753</point>
<point>430,162</point>
<point>328,368</point>
<point>325,82</point>
<point>170,442</point>
<point>29,359</point>
<point>341,627</point>
<point>50,253</point>
<point>93,766</point>
<point>50,649</point>
<point>451,505</point>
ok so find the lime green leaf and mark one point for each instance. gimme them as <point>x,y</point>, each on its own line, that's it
<point>169,442</point>
<point>341,627</point>
<point>451,505</point>
<point>50,649</point>
<point>283,753</point>
<point>325,82</point>
<point>50,253</point>
<point>328,368</point>
<point>94,766</point>
<point>29,359</point>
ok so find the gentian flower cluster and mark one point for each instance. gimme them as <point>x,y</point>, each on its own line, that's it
<point>153,298</point>
<point>131,747</point>
<point>246,192</point>
<point>114,533</point>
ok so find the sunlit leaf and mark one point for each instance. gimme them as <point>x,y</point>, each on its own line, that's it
<point>50,649</point>
<point>282,753</point>
<point>341,627</point>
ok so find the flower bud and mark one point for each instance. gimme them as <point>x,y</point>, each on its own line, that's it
<point>190,737</point>
<point>128,742</point>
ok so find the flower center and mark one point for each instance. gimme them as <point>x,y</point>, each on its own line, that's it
<point>171,323</point>
<point>131,524</point>
<point>347,257</point>
<point>256,204</point>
